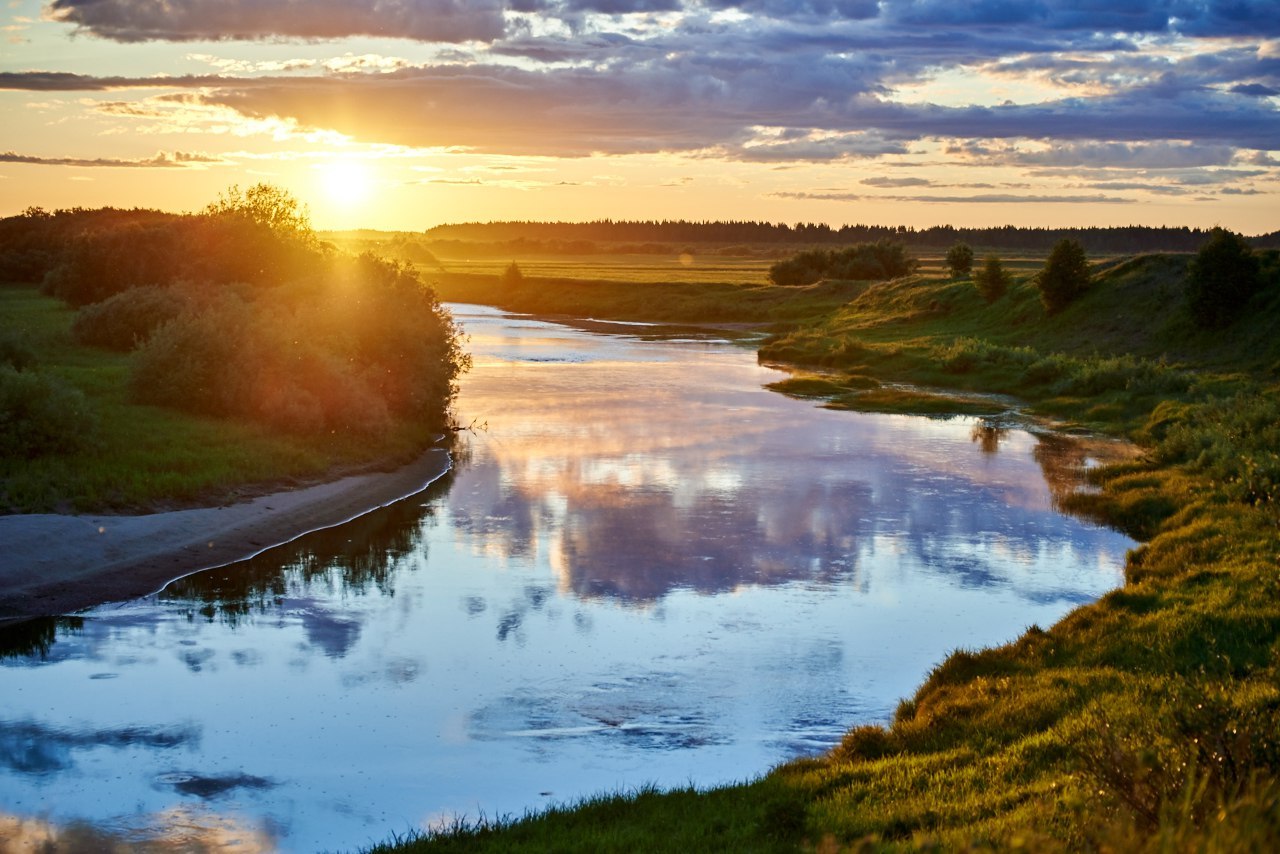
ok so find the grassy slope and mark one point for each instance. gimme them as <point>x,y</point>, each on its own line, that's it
<point>1149,719</point>
<point>148,456</point>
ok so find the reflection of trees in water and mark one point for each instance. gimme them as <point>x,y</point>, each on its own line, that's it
<point>353,558</point>
<point>35,637</point>
<point>988,435</point>
<point>1064,461</point>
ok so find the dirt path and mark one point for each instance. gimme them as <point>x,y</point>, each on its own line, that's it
<point>53,564</point>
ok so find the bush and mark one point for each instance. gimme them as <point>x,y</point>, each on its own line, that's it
<point>1065,276</point>
<point>198,362</point>
<point>511,277</point>
<point>960,259</point>
<point>348,350</point>
<point>101,263</point>
<point>40,414</point>
<point>1221,279</point>
<point>992,281</point>
<point>884,259</point>
<point>16,352</point>
<point>123,322</point>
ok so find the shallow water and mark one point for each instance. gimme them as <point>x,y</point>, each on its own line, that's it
<point>645,568</point>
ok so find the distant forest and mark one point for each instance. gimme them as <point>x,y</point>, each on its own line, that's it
<point>588,237</point>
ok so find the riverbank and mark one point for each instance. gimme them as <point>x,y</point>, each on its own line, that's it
<point>1145,721</point>
<point>53,564</point>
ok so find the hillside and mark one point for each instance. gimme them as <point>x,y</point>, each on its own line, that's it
<point>1146,721</point>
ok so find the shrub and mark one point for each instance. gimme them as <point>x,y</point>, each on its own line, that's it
<point>1065,276</point>
<point>40,414</point>
<point>16,352</point>
<point>101,263</point>
<point>124,321</point>
<point>199,361</point>
<point>960,259</point>
<point>1221,278</point>
<point>348,350</point>
<point>991,281</point>
<point>512,277</point>
<point>884,259</point>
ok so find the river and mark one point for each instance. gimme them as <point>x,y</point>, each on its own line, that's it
<point>645,568</point>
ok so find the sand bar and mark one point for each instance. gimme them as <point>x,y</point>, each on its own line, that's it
<point>54,564</point>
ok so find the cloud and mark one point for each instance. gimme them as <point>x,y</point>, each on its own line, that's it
<point>249,20</point>
<point>177,159</point>
<point>885,181</point>
<point>983,199</point>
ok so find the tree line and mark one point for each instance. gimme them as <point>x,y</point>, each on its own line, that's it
<point>584,237</point>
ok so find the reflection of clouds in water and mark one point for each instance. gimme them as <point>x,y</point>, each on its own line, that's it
<point>182,828</point>
<point>29,747</point>
<point>647,712</point>
<point>761,523</point>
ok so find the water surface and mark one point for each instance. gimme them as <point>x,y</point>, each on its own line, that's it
<point>645,568</point>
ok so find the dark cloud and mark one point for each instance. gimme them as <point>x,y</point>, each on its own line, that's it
<point>1257,90</point>
<point>161,160</point>
<point>218,20</point>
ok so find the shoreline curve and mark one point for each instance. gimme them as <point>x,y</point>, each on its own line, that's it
<point>52,564</point>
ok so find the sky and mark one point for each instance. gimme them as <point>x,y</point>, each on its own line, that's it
<point>404,114</point>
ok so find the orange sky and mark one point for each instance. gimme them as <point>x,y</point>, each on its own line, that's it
<point>403,114</point>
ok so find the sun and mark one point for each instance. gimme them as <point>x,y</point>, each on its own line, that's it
<point>346,182</point>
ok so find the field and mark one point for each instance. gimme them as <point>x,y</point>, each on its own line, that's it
<point>148,457</point>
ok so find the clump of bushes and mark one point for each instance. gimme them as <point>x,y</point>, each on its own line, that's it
<point>41,414</point>
<point>124,321</point>
<point>884,259</point>
<point>350,349</point>
<point>1236,441</point>
<point>16,352</point>
<point>260,236</point>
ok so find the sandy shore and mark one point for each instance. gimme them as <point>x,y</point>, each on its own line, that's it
<point>53,564</point>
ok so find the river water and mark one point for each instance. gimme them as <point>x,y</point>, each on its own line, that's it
<point>645,569</point>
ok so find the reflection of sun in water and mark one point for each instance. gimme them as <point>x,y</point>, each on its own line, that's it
<point>346,182</point>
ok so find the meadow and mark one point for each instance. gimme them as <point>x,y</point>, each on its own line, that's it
<point>1146,721</point>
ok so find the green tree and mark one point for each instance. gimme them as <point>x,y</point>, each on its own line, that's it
<point>1221,279</point>
<point>991,281</point>
<point>1065,276</point>
<point>960,259</point>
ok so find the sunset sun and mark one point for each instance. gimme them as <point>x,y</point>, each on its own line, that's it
<point>346,183</point>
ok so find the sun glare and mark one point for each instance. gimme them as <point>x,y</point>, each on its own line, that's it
<point>346,182</point>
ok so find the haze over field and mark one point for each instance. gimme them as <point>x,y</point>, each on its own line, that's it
<point>408,113</point>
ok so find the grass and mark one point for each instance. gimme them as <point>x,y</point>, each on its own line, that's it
<point>1146,721</point>
<point>146,457</point>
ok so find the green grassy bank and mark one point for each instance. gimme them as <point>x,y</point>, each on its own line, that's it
<point>1148,720</point>
<point>149,457</point>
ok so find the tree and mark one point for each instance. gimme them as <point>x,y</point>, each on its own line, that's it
<point>1065,276</point>
<point>991,281</point>
<point>265,204</point>
<point>960,259</point>
<point>511,277</point>
<point>1221,279</point>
